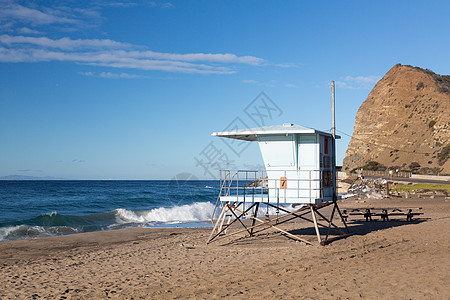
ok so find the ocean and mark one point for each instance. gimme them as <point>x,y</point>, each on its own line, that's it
<point>33,209</point>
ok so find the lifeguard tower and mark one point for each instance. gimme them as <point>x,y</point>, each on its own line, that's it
<point>299,180</point>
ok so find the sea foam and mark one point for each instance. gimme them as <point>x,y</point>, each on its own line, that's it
<point>195,212</point>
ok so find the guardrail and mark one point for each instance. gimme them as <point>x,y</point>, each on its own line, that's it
<point>431,177</point>
<point>386,173</point>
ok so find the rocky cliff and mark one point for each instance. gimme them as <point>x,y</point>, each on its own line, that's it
<point>404,123</point>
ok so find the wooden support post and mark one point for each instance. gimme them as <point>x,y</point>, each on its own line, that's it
<point>229,216</point>
<point>224,229</point>
<point>329,221</point>
<point>288,216</point>
<point>279,229</point>
<point>217,226</point>
<point>342,218</point>
<point>329,224</point>
<point>306,209</point>
<point>254,215</point>
<point>293,216</point>
<point>222,217</point>
<point>228,223</point>
<point>239,219</point>
<point>315,224</point>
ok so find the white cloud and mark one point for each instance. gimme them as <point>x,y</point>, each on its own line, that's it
<point>168,66</point>
<point>125,4</point>
<point>30,16</point>
<point>165,5</point>
<point>287,65</point>
<point>289,85</point>
<point>221,58</point>
<point>23,40</point>
<point>62,43</point>
<point>118,75</point>
<point>109,53</point>
<point>362,79</point>
<point>78,161</point>
<point>60,16</point>
<point>357,82</point>
<point>26,30</point>
<point>90,74</point>
<point>17,12</point>
<point>70,44</point>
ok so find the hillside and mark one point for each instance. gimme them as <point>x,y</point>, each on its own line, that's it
<point>404,123</point>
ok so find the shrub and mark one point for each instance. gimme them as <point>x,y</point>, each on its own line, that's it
<point>374,166</point>
<point>414,166</point>
<point>429,171</point>
<point>444,155</point>
<point>419,86</point>
<point>394,168</point>
<point>432,123</point>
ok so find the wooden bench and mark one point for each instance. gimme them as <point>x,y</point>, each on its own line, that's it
<point>384,213</point>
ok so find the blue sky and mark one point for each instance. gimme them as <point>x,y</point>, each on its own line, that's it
<point>133,89</point>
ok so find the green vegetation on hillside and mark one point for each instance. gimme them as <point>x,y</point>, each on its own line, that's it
<point>423,187</point>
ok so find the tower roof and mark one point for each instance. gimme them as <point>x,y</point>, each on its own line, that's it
<point>251,134</point>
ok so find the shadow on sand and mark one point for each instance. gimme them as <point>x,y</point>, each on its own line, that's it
<point>307,231</point>
<point>357,227</point>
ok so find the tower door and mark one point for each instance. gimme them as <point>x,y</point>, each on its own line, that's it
<point>307,152</point>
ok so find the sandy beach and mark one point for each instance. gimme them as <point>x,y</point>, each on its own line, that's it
<point>384,260</point>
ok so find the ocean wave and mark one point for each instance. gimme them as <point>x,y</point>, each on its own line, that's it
<point>195,212</point>
<point>19,232</point>
<point>53,223</point>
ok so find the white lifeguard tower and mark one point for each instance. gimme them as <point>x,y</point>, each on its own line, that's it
<point>299,171</point>
<point>297,162</point>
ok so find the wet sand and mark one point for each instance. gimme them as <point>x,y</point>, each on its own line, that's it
<point>384,260</point>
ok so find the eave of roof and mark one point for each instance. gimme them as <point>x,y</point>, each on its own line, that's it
<point>251,134</point>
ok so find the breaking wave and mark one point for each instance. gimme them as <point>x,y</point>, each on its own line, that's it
<point>50,224</point>
<point>196,212</point>
<point>53,223</point>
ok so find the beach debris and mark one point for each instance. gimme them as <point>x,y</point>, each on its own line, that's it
<point>344,184</point>
<point>187,246</point>
<point>367,188</point>
<point>260,182</point>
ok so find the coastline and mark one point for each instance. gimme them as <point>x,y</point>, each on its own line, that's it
<point>382,260</point>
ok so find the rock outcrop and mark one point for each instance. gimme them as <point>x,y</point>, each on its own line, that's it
<point>404,123</point>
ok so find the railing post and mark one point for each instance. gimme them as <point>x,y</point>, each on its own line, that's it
<point>309,186</point>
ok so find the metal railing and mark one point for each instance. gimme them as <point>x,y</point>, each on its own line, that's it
<point>288,186</point>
